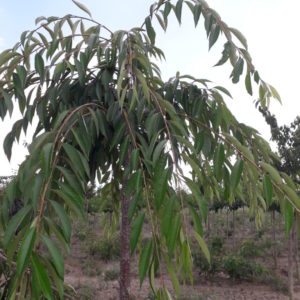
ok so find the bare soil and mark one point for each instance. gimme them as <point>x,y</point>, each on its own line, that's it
<point>86,274</point>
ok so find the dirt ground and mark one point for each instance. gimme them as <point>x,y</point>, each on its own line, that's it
<point>86,275</point>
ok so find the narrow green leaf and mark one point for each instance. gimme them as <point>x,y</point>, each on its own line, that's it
<point>167,216</point>
<point>178,10</point>
<point>268,189</point>
<point>173,234</point>
<point>273,172</point>
<point>40,66</point>
<point>239,36</point>
<point>219,158</point>
<point>275,93</point>
<point>25,250</point>
<point>288,216</point>
<point>46,156</point>
<point>41,277</point>
<point>214,34</point>
<point>64,219</point>
<point>248,84</point>
<point>136,231</point>
<point>57,258</point>
<point>292,195</point>
<point>150,31</point>
<point>82,7</point>
<point>236,174</point>
<point>202,245</point>
<point>144,261</point>
<point>173,276</point>
<point>197,221</point>
<point>197,13</point>
<point>14,223</point>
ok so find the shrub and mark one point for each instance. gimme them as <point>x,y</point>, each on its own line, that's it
<point>237,267</point>
<point>106,248</point>
<point>250,249</point>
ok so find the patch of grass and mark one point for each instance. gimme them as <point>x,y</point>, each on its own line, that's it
<point>112,273</point>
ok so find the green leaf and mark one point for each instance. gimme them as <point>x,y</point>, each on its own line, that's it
<point>14,223</point>
<point>173,233</point>
<point>134,183</point>
<point>136,231</point>
<point>167,216</point>
<point>239,36</point>
<point>133,203</point>
<point>75,159</point>
<point>248,83</point>
<point>25,250</point>
<point>119,133</point>
<point>292,195</point>
<point>82,7</point>
<point>145,260</point>
<point>288,216</point>
<point>173,276</point>
<point>237,70</point>
<point>46,157</point>
<point>64,219</point>
<point>8,102</point>
<point>202,245</point>
<point>72,199</point>
<point>275,93</point>
<point>197,13</point>
<point>214,34</point>
<point>268,189</point>
<point>150,31</point>
<point>236,174</point>
<point>160,185</point>
<point>157,151</point>
<point>178,10</point>
<point>219,158</point>
<point>273,172</point>
<point>197,221</point>
<point>55,253</point>
<point>41,277</point>
<point>39,66</point>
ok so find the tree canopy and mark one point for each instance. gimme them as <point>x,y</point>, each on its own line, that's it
<point>104,114</point>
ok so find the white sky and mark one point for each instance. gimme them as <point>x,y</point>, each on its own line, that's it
<point>270,26</point>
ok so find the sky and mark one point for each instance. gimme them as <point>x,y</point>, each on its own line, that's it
<point>270,26</point>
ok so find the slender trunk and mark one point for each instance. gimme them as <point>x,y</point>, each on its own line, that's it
<point>233,229</point>
<point>208,222</point>
<point>227,224</point>
<point>290,265</point>
<point>274,240</point>
<point>125,236</point>
<point>295,240</point>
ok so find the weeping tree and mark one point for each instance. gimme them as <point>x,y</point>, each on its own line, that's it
<point>104,114</point>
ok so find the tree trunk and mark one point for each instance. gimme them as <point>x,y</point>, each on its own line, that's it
<point>233,229</point>
<point>125,237</point>
<point>296,259</point>
<point>290,264</point>
<point>227,224</point>
<point>274,240</point>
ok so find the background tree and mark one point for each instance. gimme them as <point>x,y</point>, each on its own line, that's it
<point>287,139</point>
<point>105,114</point>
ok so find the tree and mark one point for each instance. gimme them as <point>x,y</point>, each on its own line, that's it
<point>287,139</point>
<point>105,114</point>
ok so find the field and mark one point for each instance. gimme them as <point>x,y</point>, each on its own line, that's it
<point>243,264</point>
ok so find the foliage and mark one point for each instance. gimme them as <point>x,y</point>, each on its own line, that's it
<point>104,114</point>
<point>238,267</point>
<point>106,248</point>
